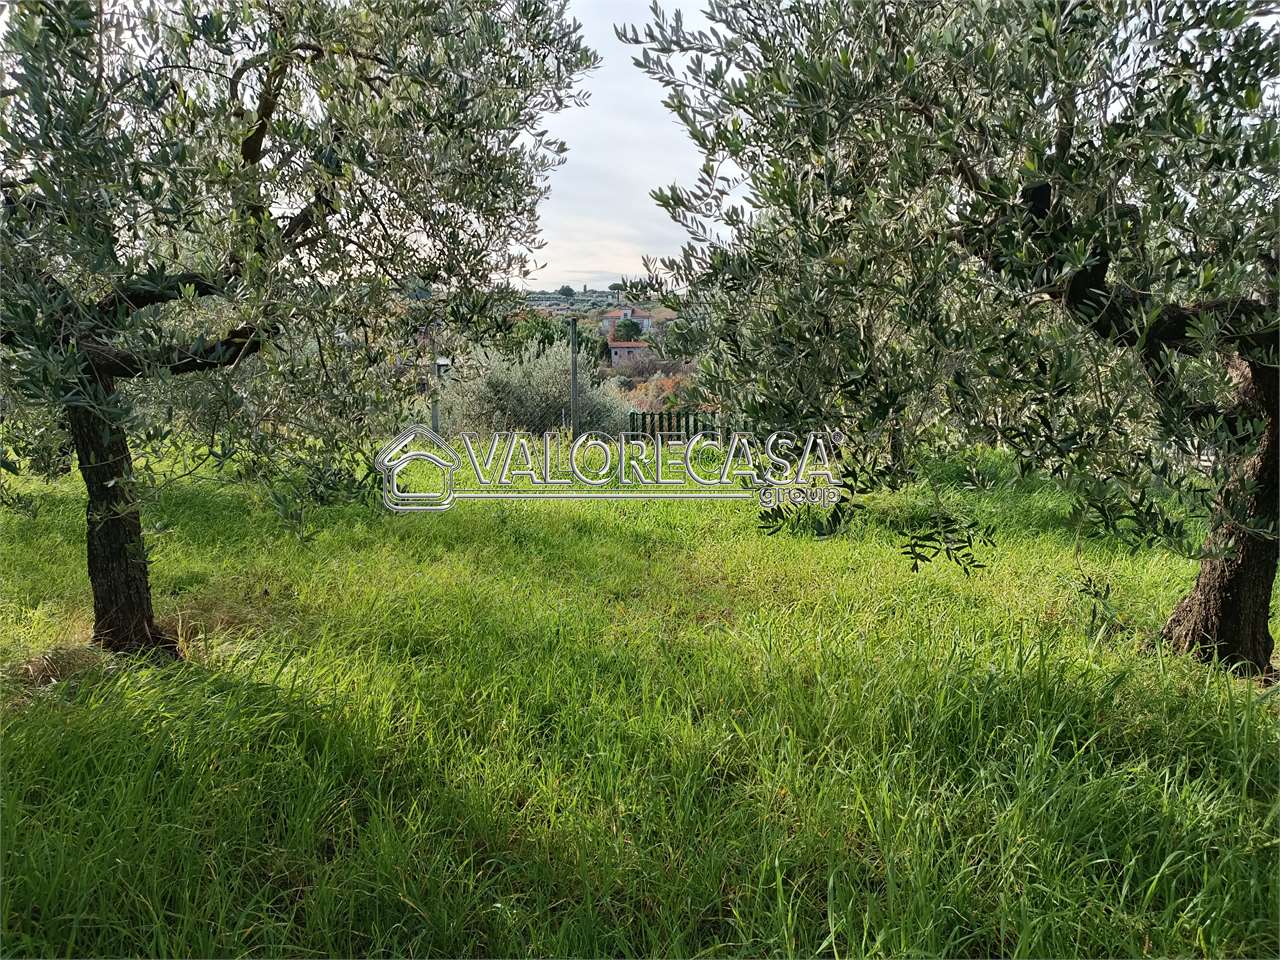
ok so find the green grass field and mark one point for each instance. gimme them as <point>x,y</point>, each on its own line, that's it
<point>628,728</point>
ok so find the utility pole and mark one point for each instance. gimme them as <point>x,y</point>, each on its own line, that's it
<point>442,367</point>
<point>573,379</point>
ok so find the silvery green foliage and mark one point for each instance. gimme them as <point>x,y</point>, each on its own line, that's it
<point>529,392</point>
<point>1053,221</point>
<point>220,207</point>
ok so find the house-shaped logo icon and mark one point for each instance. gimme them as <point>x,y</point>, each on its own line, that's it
<point>417,445</point>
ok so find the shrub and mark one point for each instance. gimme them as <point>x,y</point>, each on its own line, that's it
<point>530,392</point>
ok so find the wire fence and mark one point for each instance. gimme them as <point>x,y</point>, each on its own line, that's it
<point>548,388</point>
<point>572,385</point>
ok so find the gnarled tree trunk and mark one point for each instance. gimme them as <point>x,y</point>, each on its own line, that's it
<point>123,618</point>
<point>1225,616</point>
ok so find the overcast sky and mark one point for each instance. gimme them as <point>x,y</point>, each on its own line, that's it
<point>600,220</point>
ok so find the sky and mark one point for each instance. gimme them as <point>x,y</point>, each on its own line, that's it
<point>599,220</point>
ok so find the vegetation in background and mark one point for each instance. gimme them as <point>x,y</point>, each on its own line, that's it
<point>667,387</point>
<point>628,330</point>
<point>529,392</point>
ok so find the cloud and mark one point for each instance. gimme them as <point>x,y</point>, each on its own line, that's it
<point>599,221</point>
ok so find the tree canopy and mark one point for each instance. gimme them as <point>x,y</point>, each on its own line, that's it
<point>246,193</point>
<point>628,330</point>
<point>1049,223</point>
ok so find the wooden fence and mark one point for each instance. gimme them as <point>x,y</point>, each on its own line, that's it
<point>687,422</point>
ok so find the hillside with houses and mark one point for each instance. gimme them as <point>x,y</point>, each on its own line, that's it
<point>632,331</point>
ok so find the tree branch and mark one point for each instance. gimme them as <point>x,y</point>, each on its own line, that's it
<point>1173,326</point>
<point>1121,315</point>
<point>239,343</point>
<point>151,291</point>
<point>317,211</point>
<point>251,146</point>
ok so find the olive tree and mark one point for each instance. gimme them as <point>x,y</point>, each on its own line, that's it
<point>1055,218</point>
<point>195,190</point>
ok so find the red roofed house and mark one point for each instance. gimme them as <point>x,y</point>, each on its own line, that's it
<point>625,351</point>
<point>609,322</point>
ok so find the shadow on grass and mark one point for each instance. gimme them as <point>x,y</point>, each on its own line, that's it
<point>570,801</point>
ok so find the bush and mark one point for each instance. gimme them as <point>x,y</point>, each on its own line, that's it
<point>530,392</point>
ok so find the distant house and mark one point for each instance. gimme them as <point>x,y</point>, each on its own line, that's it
<point>609,322</point>
<point>628,351</point>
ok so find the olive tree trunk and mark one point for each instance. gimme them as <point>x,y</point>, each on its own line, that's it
<point>123,618</point>
<point>1225,616</point>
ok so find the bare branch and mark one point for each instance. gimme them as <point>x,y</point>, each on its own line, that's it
<point>150,292</point>
<point>239,343</point>
<point>251,146</point>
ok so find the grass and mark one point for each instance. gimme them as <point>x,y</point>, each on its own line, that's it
<point>629,728</point>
